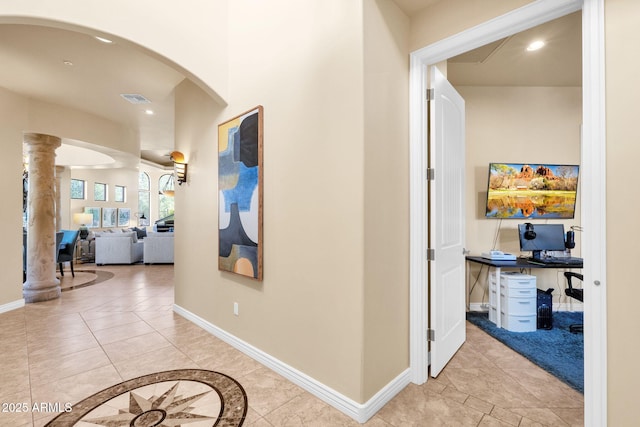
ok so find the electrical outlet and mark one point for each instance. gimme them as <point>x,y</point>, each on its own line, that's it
<point>236,309</point>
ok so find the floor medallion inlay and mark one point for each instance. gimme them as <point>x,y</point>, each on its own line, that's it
<point>192,397</point>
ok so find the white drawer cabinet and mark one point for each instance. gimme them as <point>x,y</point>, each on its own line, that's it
<point>517,301</point>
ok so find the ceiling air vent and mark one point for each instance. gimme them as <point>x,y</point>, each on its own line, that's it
<point>135,98</point>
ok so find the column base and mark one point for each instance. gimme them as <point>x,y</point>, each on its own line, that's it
<point>39,295</point>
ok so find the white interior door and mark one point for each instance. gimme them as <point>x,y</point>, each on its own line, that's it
<point>446,221</point>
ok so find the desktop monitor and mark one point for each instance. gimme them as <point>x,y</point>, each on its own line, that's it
<point>541,237</point>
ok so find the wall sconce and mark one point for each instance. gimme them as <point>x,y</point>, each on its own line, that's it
<point>179,167</point>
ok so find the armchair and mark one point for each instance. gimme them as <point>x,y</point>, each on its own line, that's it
<point>67,249</point>
<point>158,248</point>
<point>576,293</point>
<point>118,248</point>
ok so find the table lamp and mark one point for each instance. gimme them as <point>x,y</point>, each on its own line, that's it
<point>82,219</point>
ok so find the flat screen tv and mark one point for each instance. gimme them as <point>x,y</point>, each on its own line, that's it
<point>532,190</point>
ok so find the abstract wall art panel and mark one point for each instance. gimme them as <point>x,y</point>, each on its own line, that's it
<point>240,194</point>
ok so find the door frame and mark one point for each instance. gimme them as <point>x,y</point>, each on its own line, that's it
<point>593,205</point>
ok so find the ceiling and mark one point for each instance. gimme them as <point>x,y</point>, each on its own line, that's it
<point>507,62</point>
<point>76,70</point>
<point>412,6</point>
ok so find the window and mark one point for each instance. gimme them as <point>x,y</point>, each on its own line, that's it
<point>77,189</point>
<point>165,199</point>
<point>144,199</point>
<point>121,193</point>
<point>100,192</point>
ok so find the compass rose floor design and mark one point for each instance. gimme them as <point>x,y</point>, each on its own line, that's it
<point>185,397</point>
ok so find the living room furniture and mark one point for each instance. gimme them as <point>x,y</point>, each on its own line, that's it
<point>164,224</point>
<point>67,249</point>
<point>576,293</point>
<point>86,251</point>
<point>498,265</point>
<point>118,248</point>
<point>24,256</point>
<point>158,248</point>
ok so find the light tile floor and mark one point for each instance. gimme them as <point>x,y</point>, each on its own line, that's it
<point>96,336</point>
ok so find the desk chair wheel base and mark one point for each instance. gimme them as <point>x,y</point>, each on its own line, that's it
<point>576,329</point>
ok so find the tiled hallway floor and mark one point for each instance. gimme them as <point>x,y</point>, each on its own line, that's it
<point>100,335</point>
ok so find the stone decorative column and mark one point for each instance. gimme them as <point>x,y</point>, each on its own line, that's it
<point>41,283</point>
<point>59,171</point>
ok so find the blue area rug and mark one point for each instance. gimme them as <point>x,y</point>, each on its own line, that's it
<point>557,350</point>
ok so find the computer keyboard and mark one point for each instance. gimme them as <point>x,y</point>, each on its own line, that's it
<point>556,261</point>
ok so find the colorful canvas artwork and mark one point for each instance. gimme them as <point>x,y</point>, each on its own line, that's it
<point>240,194</point>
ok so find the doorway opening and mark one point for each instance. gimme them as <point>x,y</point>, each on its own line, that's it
<point>592,155</point>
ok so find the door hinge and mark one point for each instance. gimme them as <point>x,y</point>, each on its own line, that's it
<point>431,254</point>
<point>431,94</point>
<point>431,174</point>
<point>431,335</point>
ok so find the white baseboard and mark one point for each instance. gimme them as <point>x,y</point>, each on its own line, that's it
<point>358,411</point>
<point>477,306</point>
<point>572,306</point>
<point>12,305</point>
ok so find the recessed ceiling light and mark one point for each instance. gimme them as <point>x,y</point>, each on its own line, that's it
<point>538,44</point>
<point>148,112</point>
<point>67,62</point>
<point>103,40</point>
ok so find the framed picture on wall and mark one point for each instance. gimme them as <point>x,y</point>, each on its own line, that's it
<point>96,212</point>
<point>109,217</point>
<point>240,183</point>
<point>124,216</point>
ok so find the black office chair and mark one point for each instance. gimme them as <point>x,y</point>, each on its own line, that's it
<point>575,293</point>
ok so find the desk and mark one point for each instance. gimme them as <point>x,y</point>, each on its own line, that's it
<point>518,264</point>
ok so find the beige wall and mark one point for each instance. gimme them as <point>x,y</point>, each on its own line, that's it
<point>112,177</point>
<point>304,65</point>
<point>623,152</point>
<point>516,124</point>
<point>308,311</point>
<point>69,123</point>
<point>446,18</point>
<point>386,191</point>
<point>13,113</point>
<point>21,114</point>
<point>315,255</point>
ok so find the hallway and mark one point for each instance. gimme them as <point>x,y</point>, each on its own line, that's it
<point>97,336</point>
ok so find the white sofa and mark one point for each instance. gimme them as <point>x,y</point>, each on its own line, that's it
<point>158,248</point>
<point>118,248</point>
